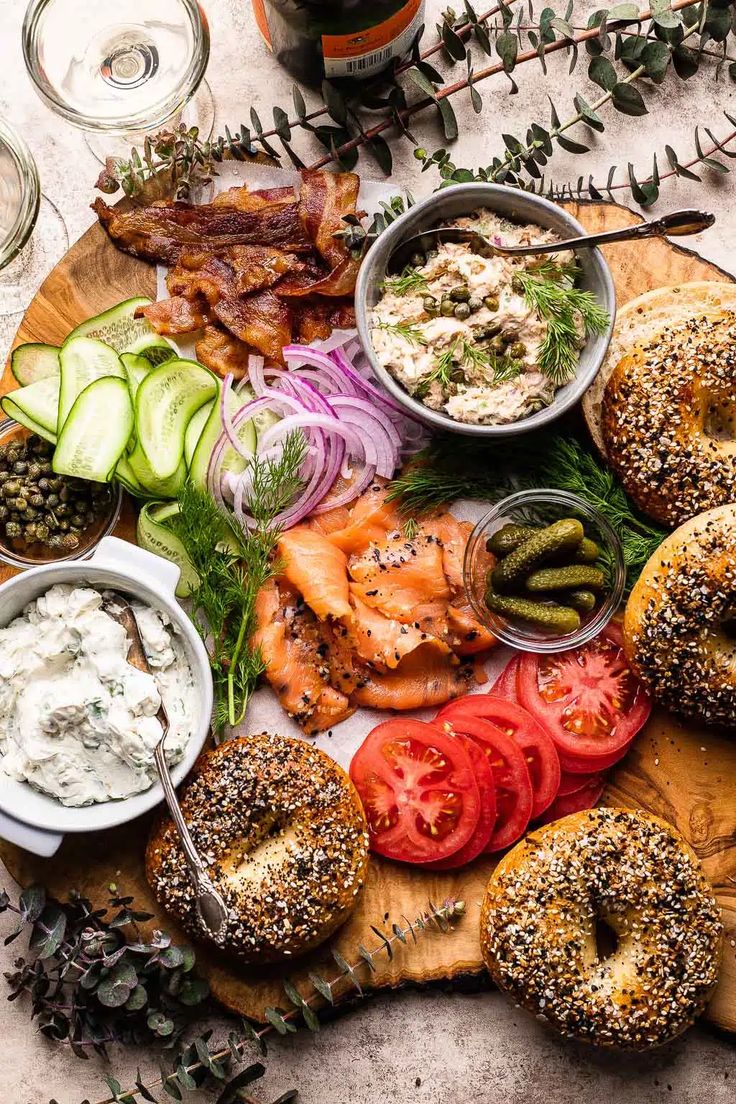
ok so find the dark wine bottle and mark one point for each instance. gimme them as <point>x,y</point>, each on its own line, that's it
<point>338,39</point>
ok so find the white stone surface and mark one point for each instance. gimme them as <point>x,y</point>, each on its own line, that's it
<point>414,1047</point>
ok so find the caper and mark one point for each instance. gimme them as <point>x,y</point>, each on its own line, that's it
<point>70,541</point>
<point>518,349</point>
<point>46,468</point>
<point>431,305</point>
<point>447,307</point>
<point>43,484</point>
<point>20,467</point>
<point>37,500</point>
<point>498,344</point>
<point>55,541</point>
<point>63,510</point>
<point>11,488</point>
<point>42,531</point>
<point>64,525</point>
<point>4,476</point>
<point>55,484</point>
<point>460,294</point>
<point>34,470</point>
<point>475,304</point>
<point>517,285</point>
<point>30,533</point>
<point>418,259</point>
<point>29,514</point>
<point>462,311</point>
<point>78,520</point>
<point>20,504</point>
<point>13,530</point>
<point>52,501</point>
<point>491,302</point>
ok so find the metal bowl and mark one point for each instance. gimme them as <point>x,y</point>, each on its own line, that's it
<point>463,199</point>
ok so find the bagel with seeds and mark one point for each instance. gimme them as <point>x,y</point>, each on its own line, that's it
<point>623,873</point>
<point>284,837</point>
<point>680,616</point>
<point>669,420</point>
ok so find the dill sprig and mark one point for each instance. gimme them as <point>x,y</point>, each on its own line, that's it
<point>462,468</point>
<point>564,307</point>
<point>409,280</point>
<point>232,566</point>
<point>409,332</point>
<point>503,368</point>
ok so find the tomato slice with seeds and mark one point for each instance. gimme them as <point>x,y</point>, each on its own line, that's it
<point>505,684</point>
<point>542,760</point>
<point>588,698</point>
<point>418,790</point>
<point>513,786</point>
<point>584,798</point>
<point>478,842</point>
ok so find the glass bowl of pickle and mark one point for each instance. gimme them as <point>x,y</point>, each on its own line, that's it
<point>45,517</point>
<point>544,571</point>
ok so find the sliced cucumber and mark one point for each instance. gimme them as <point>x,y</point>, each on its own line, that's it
<point>231,461</point>
<point>35,406</point>
<point>194,430</point>
<point>33,361</point>
<point>151,484</point>
<point>136,369</point>
<point>119,328</point>
<point>166,401</point>
<point>155,535</point>
<point>125,475</point>
<point>264,419</point>
<point>155,348</point>
<point>96,432</point>
<point>83,360</point>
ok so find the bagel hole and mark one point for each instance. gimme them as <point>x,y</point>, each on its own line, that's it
<point>606,939</point>
<point>728,628</point>
<point>720,420</point>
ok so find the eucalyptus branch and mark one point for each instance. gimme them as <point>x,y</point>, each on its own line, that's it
<point>200,1060</point>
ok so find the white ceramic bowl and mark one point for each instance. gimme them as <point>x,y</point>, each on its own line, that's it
<point>37,821</point>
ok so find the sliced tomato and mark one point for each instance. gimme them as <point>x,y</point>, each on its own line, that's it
<point>572,783</point>
<point>418,790</point>
<point>514,800</point>
<point>505,684</point>
<point>539,751</point>
<point>588,699</point>
<point>591,764</point>
<point>480,839</point>
<point>574,802</point>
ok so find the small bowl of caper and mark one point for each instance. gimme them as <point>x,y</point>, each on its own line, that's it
<point>45,517</point>
<point>544,571</point>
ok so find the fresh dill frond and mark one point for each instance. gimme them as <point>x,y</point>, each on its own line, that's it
<point>232,566</point>
<point>409,280</point>
<point>441,373</point>
<point>502,368</point>
<point>410,528</point>
<point>506,369</point>
<point>474,356</point>
<point>409,332</point>
<point>564,307</point>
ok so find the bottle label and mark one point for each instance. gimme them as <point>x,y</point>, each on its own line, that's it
<point>367,52</point>
<point>259,11</point>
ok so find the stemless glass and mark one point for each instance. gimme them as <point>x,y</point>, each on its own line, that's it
<point>122,69</point>
<point>24,260</point>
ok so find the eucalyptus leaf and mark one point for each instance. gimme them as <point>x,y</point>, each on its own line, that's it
<point>591,117</point>
<point>335,103</point>
<point>628,100</point>
<point>602,73</point>
<point>114,989</point>
<point>379,148</point>
<point>48,932</point>
<point>655,57</point>
<point>231,1092</point>
<point>507,48</point>
<point>449,119</point>
<point>663,15</point>
<point>685,61</point>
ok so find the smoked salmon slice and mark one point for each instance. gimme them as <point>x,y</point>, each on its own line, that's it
<point>425,677</point>
<point>371,519</point>
<point>382,641</point>
<point>317,569</point>
<point>403,578</point>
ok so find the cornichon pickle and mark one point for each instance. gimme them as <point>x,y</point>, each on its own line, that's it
<point>558,619</point>
<point>508,538</point>
<point>581,600</point>
<point>561,536</point>
<point>587,551</point>
<point>574,577</point>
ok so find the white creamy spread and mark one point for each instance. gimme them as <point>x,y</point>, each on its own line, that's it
<point>77,720</point>
<point>474,392</point>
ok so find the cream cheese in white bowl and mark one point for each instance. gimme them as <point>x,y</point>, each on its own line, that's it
<point>77,722</point>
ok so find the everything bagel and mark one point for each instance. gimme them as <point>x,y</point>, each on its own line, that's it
<point>668,417</point>
<point>632,872</point>
<point>286,841</point>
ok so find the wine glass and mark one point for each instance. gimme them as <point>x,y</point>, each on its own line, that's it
<point>25,257</point>
<point>120,68</point>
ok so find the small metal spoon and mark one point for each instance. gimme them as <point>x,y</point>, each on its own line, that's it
<point>674,224</point>
<point>210,906</point>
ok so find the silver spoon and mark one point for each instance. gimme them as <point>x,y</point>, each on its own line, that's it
<point>674,224</point>
<point>209,904</point>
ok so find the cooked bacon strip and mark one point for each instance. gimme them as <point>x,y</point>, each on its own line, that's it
<point>243,199</point>
<point>222,353</point>
<point>324,200</point>
<point>175,316</point>
<point>239,270</point>
<point>316,321</point>
<point>340,282</point>
<point>260,320</point>
<point>160,233</point>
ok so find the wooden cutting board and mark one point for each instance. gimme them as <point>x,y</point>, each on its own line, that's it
<point>684,774</point>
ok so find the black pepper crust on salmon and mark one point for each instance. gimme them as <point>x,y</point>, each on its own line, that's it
<point>679,622</point>
<point>668,417</point>
<point>636,874</point>
<point>282,831</point>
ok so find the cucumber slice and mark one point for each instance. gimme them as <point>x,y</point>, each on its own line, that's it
<point>35,406</point>
<point>33,361</point>
<point>125,475</point>
<point>83,360</point>
<point>152,486</point>
<point>154,534</point>
<point>136,369</point>
<point>231,461</point>
<point>194,430</point>
<point>165,403</point>
<point>118,327</point>
<point>96,432</point>
<point>156,349</point>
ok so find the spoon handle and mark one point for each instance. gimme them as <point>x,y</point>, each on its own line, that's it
<point>674,224</point>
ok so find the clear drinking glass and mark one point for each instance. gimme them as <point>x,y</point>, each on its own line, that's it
<point>24,259</point>
<point>120,68</point>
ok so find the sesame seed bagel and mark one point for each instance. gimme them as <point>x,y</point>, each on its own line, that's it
<point>285,839</point>
<point>668,418</point>
<point>635,874</point>
<point>679,617</point>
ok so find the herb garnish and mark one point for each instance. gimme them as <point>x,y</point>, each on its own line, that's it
<point>564,307</point>
<point>461,468</point>
<point>409,280</point>
<point>232,567</point>
<point>406,330</point>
